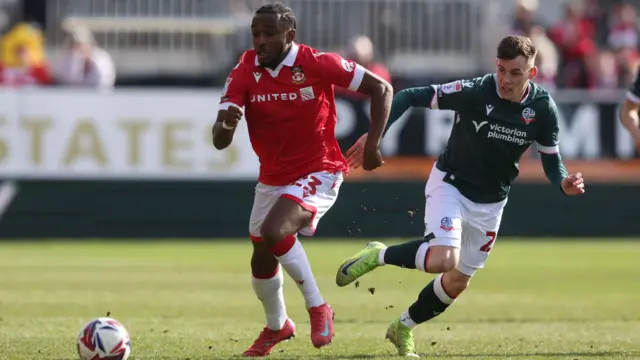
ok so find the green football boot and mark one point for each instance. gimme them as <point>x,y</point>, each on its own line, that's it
<point>359,264</point>
<point>402,338</point>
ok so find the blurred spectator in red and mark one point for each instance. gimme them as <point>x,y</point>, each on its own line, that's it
<point>360,49</point>
<point>85,64</point>
<point>623,28</point>
<point>23,60</point>
<point>574,38</point>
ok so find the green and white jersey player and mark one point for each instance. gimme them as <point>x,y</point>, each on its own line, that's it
<point>498,116</point>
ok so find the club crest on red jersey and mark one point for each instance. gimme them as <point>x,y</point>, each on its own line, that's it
<point>528,115</point>
<point>297,75</point>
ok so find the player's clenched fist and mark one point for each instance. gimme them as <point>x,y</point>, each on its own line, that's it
<point>364,154</point>
<point>222,131</point>
<point>234,114</point>
<point>573,184</point>
<point>372,158</point>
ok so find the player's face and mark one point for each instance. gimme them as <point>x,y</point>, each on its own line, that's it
<point>514,76</point>
<point>270,38</point>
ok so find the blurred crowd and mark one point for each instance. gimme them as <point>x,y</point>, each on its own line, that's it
<point>24,62</point>
<point>594,45</point>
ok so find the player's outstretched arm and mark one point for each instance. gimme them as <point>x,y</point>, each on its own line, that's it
<point>381,93</point>
<point>407,98</point>
<point>553,167</point>
<point>557,174</point>
<point>403,100</point>
<point>630,120</point>
<point>548,146</point>
<point>225,127</point>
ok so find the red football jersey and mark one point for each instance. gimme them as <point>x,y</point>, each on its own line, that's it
<point>291,111</point>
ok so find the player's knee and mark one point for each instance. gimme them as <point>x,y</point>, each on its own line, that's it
<point>285,219</point>
<point>442,259</point>
<point>271,233</point>
<point>261,251</point>
<point>441,265</point>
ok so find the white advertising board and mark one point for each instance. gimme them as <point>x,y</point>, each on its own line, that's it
<point>126,134</point>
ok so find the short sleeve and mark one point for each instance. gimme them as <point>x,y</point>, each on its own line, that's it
<point>339,71</point>
<point>549,139</point>
<point>454,95</point>
<point>235,89</point>
<point>633,93</point>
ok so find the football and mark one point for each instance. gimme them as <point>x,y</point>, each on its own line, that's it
<point>104,339</point>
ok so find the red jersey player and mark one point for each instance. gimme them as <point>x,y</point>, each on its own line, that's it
<point>287,92</point>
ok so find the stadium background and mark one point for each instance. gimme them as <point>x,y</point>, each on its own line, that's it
<point>134,159</point>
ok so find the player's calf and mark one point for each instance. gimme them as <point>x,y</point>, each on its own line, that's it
<point>263,264</point>
<point>267,282</point>
<point>278,230</point>
<point>432,301</point>
<point>430,255</point>
<point>435,298</point>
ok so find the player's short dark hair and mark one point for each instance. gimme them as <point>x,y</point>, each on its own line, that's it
<point>513,46</point>
<point>284,13</point>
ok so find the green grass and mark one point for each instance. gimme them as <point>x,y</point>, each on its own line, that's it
<point>193,300</point>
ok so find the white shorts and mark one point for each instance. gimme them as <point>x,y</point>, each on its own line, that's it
<point>459,222</point>
<point>316,193</point>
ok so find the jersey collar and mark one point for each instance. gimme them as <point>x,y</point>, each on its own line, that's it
<point>289,60</point>
<point>524,97</point>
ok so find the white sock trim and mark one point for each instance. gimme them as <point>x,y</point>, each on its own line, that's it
<point>422,252</point>
<point>381,256</point>
<point>439,290</point>
<point>407,321</point>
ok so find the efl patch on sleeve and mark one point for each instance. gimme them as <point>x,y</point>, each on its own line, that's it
<point>452,87</point>
<point>348,65</point>
<point>226,86</point>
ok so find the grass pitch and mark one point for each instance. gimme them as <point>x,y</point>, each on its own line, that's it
<point>540,299</point>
